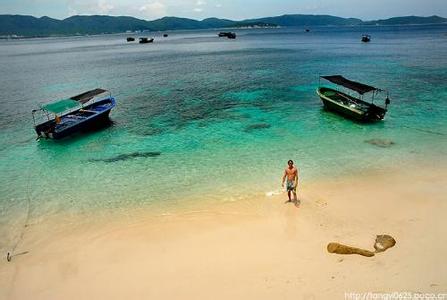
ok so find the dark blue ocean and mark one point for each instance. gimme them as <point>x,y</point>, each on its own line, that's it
<point>223,115</point>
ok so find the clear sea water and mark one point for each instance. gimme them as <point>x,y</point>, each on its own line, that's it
<point>225,115</point>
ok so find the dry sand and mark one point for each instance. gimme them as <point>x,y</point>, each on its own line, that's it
<point>254,249</point>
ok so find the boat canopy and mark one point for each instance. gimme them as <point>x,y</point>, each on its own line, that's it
<point>63,105</point>
<point>60,106</point>
<point>352,85</point>
<point>87,96</point>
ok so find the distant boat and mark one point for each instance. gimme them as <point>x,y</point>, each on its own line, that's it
<point>307,29</point>
<point>165,35</point>
<point>145,40</point>
<point>366,38</point>
<point>230,35</point>
<point>130,39</point>
<point>349,106</point>
<point>65,117</point>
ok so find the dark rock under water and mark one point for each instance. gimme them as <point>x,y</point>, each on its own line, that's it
<point>150,132</point>
<point>383,143</point>
<point>257,126</point>
<point>122,157</point>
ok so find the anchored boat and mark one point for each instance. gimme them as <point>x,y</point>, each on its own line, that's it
<point>349,106</point>
<point>230,35</point>
<point>65,117</point>
<point>366,38</point>
<point>145,40</point>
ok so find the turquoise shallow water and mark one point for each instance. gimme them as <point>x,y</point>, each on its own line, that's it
<point>224,115</point>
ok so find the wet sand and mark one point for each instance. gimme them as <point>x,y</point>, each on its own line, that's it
<point>259,248</point>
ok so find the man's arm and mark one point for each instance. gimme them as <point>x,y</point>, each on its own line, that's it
<point>296,178</point>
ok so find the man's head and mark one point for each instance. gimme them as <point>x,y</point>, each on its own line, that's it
<point>290,163</point>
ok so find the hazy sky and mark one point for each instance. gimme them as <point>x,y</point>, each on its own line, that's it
<point>232,9</point>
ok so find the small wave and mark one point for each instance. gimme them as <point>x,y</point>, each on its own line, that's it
<point>273,193</point>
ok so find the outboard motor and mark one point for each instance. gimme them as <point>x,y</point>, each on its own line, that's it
<point>387,102</point>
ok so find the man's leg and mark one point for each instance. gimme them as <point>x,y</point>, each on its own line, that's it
<point>288,194</point>
<point>295,198</point>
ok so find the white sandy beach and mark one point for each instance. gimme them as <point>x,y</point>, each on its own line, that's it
<point>254,249</point>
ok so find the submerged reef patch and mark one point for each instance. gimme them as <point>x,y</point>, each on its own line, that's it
<point>383,143</point>
<point>150,131</point>
<point>246,95</point>
<point>257,126</point>
<point>122,157</point>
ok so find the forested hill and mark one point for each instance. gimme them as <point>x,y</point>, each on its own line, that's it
<point>29,26</point>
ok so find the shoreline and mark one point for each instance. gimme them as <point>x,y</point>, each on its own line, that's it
<point>253,248</point>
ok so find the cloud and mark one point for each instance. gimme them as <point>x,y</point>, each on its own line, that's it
<point>105,7</point>
<point>139,8</point>
<point>90,7</point>
<point>72,11</point>
<point>199,6</point>
<point>84,7</point>
<point>153,9</point>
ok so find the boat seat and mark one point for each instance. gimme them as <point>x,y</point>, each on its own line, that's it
<point>74,117</point>
<point>87,110</point>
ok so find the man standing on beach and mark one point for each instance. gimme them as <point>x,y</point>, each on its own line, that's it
<point>291,173</point>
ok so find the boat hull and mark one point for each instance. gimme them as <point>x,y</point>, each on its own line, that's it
<point>352,108</point>
<point>146,41</point>
<point>95,122</point>
<point>230,35</point>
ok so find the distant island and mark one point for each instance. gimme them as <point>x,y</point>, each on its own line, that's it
<point>29,26</point>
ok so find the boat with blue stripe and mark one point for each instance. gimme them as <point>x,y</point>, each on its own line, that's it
<point>78,113</point>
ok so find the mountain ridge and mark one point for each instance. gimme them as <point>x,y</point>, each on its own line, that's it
<point>29,26</point>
